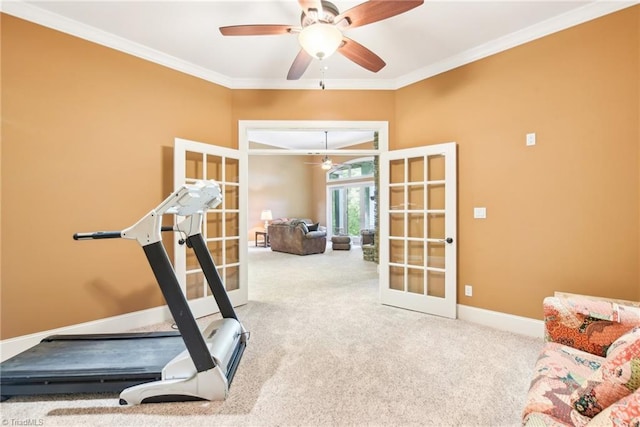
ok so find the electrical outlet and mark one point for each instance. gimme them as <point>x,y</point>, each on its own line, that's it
<point>531,139</point>
<point>468,290</point>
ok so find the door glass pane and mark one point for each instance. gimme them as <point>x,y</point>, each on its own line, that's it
<point>214,224</point>
<point>435,195</point>
<point>415,280</point>
<point>436,254</point>
<point>396,251</point>
<point>435,284</point>
<point>396,171</point>
<point>195,285</point>
<point>232,278</point>
<point>231,224</point>
<point>232,170</point>
<point>396,278</point>
<point>193,165</point>
<point>415,252</point>
<point>415,255</point>
<point>416,197</point>
<point>396,198</point>
<point>215,248</point>
<point>436,168</point>
<point>232,251</point>
<point>416,169</point>
<point>435,225</point>
<point>416,224</point>
<point>192,261</point>
<point>231,196</point>
<point>214,168</point>
<point>396,225</point>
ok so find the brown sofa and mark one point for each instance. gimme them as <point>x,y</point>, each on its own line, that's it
<point>295,237</point>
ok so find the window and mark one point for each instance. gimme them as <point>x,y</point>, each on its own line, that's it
<point>352,205</point>
<point>360,168</point>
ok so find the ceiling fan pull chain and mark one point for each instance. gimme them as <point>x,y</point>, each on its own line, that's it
<point>322,79</point>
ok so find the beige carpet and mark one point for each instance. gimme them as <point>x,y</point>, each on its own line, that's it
<point>323,351</point>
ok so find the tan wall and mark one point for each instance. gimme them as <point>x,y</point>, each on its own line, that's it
<point>637,11</point>
<point>562,215</point>
<point>279,183</point>
<point>87,137</point>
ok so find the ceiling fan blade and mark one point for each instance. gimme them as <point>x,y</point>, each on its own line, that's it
<point>362,56</point>
<point>255,30</point>
<point>373,11</point>
<point>299,66</point>
<point>309,6</point>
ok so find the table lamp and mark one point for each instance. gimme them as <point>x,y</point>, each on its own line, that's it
<point>266,216</point>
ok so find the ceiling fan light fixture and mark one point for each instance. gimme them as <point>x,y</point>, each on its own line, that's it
<point>320,40</point>
<point>326,164</point>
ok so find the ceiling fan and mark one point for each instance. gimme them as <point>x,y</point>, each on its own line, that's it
<point>321,27</point>
<point>326,163</point>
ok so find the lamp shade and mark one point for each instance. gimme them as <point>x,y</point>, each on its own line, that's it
<point>266,215</point>
<point>320,40</point>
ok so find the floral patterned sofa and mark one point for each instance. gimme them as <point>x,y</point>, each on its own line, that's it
<point>588,371</point>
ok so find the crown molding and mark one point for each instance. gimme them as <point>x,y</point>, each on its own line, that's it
<point>29,12</point>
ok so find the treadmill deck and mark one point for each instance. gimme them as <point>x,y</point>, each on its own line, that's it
<point>89,363</point>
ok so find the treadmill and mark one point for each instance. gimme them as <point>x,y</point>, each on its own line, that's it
<point>187,364</point>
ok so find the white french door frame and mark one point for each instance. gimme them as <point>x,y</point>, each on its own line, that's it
<point>207,305</point>
<point>446,306</point>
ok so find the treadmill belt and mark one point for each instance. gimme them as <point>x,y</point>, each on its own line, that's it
<point>119,359</point>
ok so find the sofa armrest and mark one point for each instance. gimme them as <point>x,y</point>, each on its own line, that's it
<point>587,324</point>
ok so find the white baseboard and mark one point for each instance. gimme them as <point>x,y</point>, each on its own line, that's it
<point>502,321</point>
<point>12,346</point>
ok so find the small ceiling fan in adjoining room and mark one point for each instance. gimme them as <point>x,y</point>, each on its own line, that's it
<point>321,31</point>
<point>326,162</point>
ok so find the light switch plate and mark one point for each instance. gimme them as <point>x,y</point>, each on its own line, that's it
<point>480,213</point>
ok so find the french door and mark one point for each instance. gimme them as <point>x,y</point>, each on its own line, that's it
<point>221,226</point>
<point>418,229</point>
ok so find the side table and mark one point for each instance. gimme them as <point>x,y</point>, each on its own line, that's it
<point>265,239</point>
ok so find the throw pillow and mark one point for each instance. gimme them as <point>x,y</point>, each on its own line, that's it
<point>618,377</point>
<point>313,227</point>
<point>299,223</point>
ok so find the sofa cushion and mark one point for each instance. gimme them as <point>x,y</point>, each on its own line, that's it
<point>558,372</point>
<point>618,377</point>
<point>313,227</point>
<point>624,412</point>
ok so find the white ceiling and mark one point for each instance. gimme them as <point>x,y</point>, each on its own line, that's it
<point>432,38</point>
